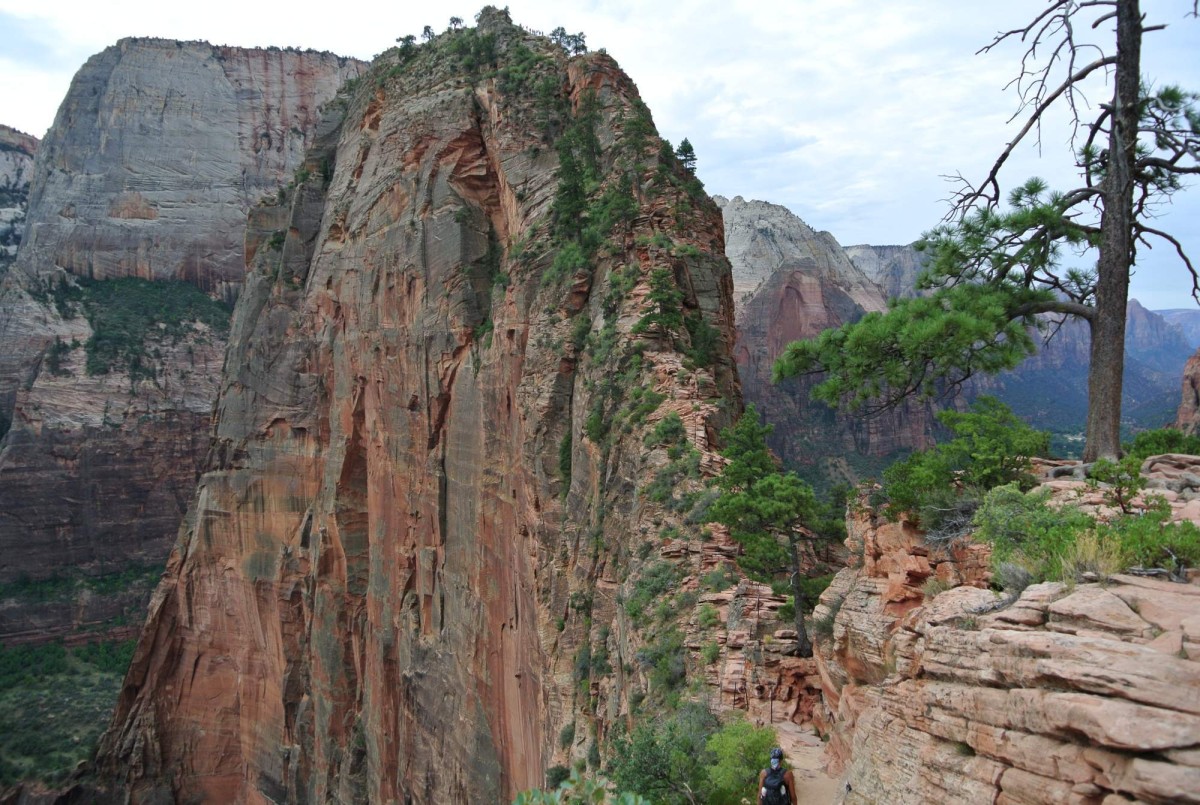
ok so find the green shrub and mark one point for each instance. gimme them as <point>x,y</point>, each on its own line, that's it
<point>654,582</point>
<point>738,749</point>
<point>708,617</point>
<point>814,586</point>
<point>710,652</point>
<point>666,661</point>
<point>124,312</point>
<point>1150,540</point>
<point>669,430</point>
<point>566,736</point>
<point>1123,481</point>
<point>991,447</point>
<point>1164,440</point>
<point>1023,529</point>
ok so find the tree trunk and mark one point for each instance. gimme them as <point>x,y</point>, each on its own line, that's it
<point>803,644</point>
<point>1116,245</point>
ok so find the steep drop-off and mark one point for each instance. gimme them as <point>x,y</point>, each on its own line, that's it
<point>157,153</point>
<point>794,283</point>
<point>437,449</point>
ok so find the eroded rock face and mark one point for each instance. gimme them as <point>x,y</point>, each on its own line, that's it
<point>893,268</point>
<point>1188,416</point>
<point>1070,694</point>
<point>791,283</point>
<point>156,154</point>
<point>17,151</point>
<point>430,463</point>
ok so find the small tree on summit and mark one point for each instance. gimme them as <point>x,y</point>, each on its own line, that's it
<point>427,33</point>
<point>992,271</point>
<point>686,155</point>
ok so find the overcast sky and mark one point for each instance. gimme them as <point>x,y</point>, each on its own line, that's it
<point>848,113</point>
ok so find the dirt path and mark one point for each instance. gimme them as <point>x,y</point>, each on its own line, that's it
<point>803,751</point>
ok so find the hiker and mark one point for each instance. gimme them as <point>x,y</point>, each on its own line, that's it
<point>776,785</point>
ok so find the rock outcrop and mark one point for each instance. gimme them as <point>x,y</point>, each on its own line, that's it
<point>17,151</point>
<point>435,460</point>
<point>794,283</point>
<point>1187,417</point>
<point>157,153</point>
<point>1082,693</point>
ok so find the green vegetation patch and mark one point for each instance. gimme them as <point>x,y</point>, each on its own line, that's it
<point>54,704</point>
<point>124,312</point>
<point>61,587</point>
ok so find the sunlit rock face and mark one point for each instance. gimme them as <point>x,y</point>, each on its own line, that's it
<point>154,159</point>
<point>427,487</point>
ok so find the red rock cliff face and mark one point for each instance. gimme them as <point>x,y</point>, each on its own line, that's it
<point>429,449</point>
<point>1188,416</point>
<point>157,152</point>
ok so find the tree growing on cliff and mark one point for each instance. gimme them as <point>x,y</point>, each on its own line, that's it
<point>764,508</point>
<point>993,271</point>
<point>686,154</point>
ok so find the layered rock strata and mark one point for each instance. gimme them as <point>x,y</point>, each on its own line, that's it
<point>1073,693</point>
<point>435,445</point>
<point>157,153</point>
<point>792,283</point>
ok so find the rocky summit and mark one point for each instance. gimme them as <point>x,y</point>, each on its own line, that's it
<point>439,443</point>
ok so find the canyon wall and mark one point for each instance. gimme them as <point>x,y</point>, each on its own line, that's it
<point>155,157</point>
<point>791,283</point>
<point>444,448</point>
<point>17,151</point>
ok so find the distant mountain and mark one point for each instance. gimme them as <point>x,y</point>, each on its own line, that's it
<point>1187,319</point>
<point>792,282</point>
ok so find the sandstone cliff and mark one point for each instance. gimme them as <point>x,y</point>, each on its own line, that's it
<point>437,454</point>
<point>17,151</point>
<point>1187,417</point>
<point>155,156</point>
<point>791,283</point>
<point>1074,693</point>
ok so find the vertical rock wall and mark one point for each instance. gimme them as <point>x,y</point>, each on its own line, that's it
<point>155,156</point>
<point>426,487</point>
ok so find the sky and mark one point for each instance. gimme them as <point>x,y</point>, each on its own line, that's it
<point>850,114</point>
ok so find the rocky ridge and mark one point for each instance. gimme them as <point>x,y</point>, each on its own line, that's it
<point>1073,693</point>
<point>435,463</point>
<point>157,153</point>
